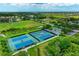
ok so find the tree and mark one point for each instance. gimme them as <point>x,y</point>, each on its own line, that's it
<point>47,26</point>
<point>53,50</point>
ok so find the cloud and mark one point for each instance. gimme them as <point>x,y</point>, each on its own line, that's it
<point>40,1</point>
<point>18,4</point>
<point>42,5</point>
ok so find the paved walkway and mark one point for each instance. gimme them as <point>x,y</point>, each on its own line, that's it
<point>25,49</point>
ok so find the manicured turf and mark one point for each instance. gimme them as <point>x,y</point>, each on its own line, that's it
<point>20,25</point>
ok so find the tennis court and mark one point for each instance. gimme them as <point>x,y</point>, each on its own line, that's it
<point>41,35</point>
<point>20,42</point>
<point>23,41</point>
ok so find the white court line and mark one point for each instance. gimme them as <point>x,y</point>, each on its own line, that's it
<point>25,49</point>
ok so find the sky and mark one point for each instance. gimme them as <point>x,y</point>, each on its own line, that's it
<point>39,5</point>
<point>40,1</point>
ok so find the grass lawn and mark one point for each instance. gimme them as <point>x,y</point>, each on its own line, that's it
<point>16,28</point>
<point>20,24</point>
<point>39,49</point>
<point>75,16</point>
<point>32,51</point>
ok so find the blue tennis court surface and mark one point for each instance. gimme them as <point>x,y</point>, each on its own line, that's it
<point>19,38</point>
<point>23,41</point>
<point>19,42</point>
<point>24,44</point>
<point>41,35</point>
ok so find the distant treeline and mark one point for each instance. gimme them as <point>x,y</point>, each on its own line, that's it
<point>17,16</point>
<point>32,13</point>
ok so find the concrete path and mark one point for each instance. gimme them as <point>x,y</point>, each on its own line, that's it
<point>25,49</point>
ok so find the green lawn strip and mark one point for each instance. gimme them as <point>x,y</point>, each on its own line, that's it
<point>17,28</point>
<point>19,32</point>
<point>21,24</point>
